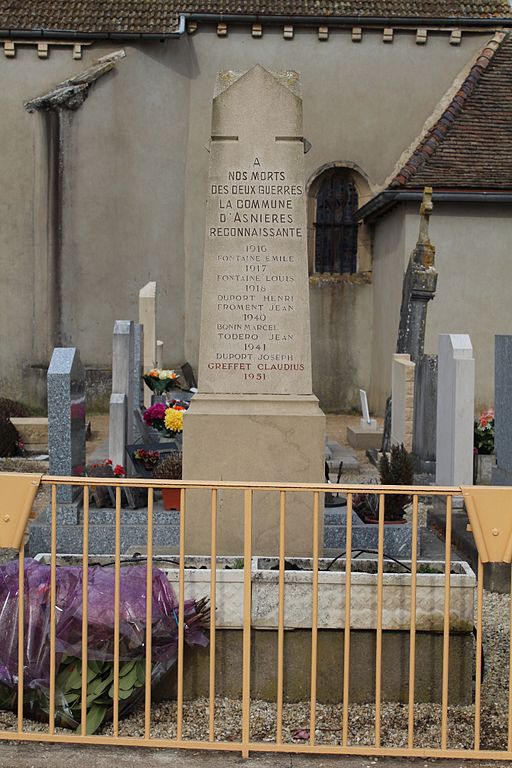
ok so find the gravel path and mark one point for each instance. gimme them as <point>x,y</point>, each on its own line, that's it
<point>228,712</point>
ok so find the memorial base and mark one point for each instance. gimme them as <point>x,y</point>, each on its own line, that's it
<point>253,438</point>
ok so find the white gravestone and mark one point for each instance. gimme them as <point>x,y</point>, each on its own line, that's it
<point>147,318</point>
<point>123,356</point>
<point>255,417</point>
<point>455,410</point>
<point>366,422</point>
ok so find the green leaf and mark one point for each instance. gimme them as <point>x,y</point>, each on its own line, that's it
<point>128,681</point>
<point>141,672</point>
<point>127,667</point>
<point>95,717</point>
<point>96,688</point>
<point>122,694</point>
<point>70,677</point>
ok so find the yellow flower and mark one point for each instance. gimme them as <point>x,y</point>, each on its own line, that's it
<point>173,420</point>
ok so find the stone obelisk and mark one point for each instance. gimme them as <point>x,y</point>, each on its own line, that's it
<point>255,417</point>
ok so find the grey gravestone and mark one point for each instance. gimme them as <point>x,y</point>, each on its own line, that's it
<point>117,429</point>
<point>66,417</point>
<point>455,410</point>
<point>137,383</point>
<point>425,414</point>
<point>502,472</point>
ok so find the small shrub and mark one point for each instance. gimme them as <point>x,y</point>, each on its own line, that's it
<point>170,468</point>
<point>12,409</point>
<point>9,438</point>
<point>398,469</point>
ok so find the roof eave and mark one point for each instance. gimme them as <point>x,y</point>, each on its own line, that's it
<point>387,199</point>
<point>244,18</point>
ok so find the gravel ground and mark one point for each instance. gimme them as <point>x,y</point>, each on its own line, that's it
<point>328,723</point>
<point>228,714</point>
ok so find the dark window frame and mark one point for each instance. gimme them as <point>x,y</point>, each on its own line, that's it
<point>336,230</point>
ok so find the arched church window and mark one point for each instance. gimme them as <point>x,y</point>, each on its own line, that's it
<point>336,229</point>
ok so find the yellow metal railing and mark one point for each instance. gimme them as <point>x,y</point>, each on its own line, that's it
<point>14,499</point>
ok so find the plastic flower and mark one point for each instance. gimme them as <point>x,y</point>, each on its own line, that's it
<point>167,374</point>
<point>174,420</point>
<point>154,413</point>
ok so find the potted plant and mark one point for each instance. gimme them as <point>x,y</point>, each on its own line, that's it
<point>167,417</point>
<point>103,496</point>
<point>170,468</point>
<point>483,452</point>
<point>145,461</point>
<point>162,380</point>
<point>395,469</point>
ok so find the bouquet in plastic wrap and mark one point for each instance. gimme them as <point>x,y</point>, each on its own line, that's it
<point>100,639</point>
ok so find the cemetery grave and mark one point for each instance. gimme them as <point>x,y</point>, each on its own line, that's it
<point>254,418</point>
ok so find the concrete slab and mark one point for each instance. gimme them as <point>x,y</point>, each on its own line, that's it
<point>34,755</point>
<point>363,439</point>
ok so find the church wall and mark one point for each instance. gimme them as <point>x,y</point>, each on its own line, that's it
<point>135,165</point>
<point>473,291</point>
<point>389,264</point>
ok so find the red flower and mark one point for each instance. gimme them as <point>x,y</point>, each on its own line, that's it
<point>119,470</point>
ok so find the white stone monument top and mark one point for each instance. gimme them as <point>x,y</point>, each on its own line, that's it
<point>255,324</point>
<point>364,406</point>
<point>366,422</point>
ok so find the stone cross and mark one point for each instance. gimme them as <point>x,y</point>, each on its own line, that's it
<point>419,287</point>
<point>66,417</point>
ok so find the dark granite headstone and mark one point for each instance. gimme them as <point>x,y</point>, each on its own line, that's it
<point>425,414</point>
<point>502,472</point>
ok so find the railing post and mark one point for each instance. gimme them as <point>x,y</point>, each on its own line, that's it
<point>246,672</point>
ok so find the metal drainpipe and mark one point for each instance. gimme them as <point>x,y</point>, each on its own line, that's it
<point>348,20</point>
<point>66,34</point>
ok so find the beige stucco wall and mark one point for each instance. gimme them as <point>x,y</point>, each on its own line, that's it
<point>135,169</point>
<point>473,291</point>
<point>388,268</point>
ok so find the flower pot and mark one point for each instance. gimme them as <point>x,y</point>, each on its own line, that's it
<point>171,498</point>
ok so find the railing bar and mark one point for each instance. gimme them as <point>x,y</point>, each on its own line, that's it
<point>314,623</point>
<point>478,682</point>
<point>446,624</point>
<point>149,618</point>
<point>510,672</point>
<point>346,640</point>
<point>246,670</point>
<point>280,617</point>
<point>181,618</point>
<point>254,486</point>
<point>21,632</point>
<point>117,597</point>
<point>378,648</point>
<point>412,639</point>
<point>85,607</point>
<point>53,598</point>
<point>213,601</point>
